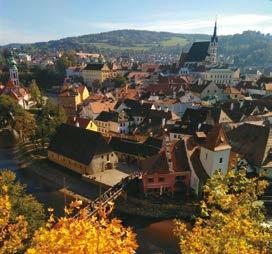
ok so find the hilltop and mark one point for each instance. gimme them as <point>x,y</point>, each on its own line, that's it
<point>247,49</point>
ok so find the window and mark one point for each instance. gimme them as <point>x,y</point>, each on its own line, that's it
<point>150,180</point>
<point>175,136</point>
<point>206,156</point>
<point>102,156</point>
<point>161,179</point>
<point>221,160</point>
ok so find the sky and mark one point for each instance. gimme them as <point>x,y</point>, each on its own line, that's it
<point>25,21</point>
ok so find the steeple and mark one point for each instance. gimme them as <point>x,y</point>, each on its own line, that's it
<point>214,37</point>
<point>13,71</point>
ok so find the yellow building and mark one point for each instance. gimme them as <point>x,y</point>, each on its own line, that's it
<point>84,123</point>
<point>71,96</point>
<point>80,150</point>
<point>96,73</point>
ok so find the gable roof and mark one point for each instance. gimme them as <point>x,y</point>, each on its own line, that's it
<point>198,51</point>
<point>254,142</point>
<point>106,116</point>
<point>217,139</point>
<point>78,144</point>
<point>132,147</point>
<point>82,122</point>
<point>94,66</point>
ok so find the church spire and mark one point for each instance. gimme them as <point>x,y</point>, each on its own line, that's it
<point>214,37</point>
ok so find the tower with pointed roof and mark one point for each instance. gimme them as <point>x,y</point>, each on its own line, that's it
<point>215,152</point>
<point>214,46</point>
<point>13,70</point>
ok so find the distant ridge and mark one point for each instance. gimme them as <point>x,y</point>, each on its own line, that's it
<point>249,48</point>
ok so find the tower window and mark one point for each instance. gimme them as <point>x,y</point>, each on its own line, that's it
<point>221,160</point>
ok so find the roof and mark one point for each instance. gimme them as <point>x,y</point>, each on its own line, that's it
<point>78,144</point>
<point>179,157</point>
<point>105,116</point>
<point>153,142</point>
<point>94,66</point>
<point>254,142</point>
<point>198,51</point>
<point>82,122</point>
<point>155,164</point>
<point>217,139</point>
<point>198,167</point>
<point>133,148</point>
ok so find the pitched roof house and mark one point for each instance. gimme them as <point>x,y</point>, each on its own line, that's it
<point>81,150</point>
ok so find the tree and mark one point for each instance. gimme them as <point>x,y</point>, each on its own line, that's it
<point>13,115</point>
<point>22,204</point>
<point>231,219</point>
<point>13,231</point>
<point>9,108</point>
<point>35,91</point>
<point>25,124</point>
<point>119,81</point>
<point>83,234</point>
<point>48,119</point>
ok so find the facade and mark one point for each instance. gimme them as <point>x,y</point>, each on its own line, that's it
<point>201,53</point>
<point>81,150</point>
<point>215,153</point>
<point>168,171</point>
<point>115,122</point>
<point>96,73</point>
<point>71,96</point>
<point>223,76</point>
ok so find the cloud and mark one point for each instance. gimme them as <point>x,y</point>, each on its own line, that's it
<point>228,24</point>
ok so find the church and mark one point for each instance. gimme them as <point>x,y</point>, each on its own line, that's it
<point>13,87</point>
<point>201,53</point>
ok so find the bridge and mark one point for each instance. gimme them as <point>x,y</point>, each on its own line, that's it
<point>111,194</point>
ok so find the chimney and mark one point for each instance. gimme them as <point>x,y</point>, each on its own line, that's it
<point>166,109</point>
<point>163,122</point>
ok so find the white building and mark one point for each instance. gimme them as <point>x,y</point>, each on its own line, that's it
<point>223,76</point>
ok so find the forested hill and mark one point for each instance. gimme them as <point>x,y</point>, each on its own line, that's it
<point>247,49</point>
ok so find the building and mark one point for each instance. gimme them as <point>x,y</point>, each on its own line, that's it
<point>81,150</point>
<point>201,53</point>
<point>13,88</point>
<point>215,152</point>
<point>167,171</point>
<point>223,76</point>
<point>80,122</point>
<point>96,73</point>
<point>71,96</point>
<point>115,122</point>
<point>207,89</point>
<point>253,143</point>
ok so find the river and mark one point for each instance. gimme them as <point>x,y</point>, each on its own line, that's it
<point>154,237</point>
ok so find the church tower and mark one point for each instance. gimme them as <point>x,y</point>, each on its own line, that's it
<point>13,71</point>
<point>214,46</point>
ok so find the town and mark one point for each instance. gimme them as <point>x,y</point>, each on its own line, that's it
<point>150,133</point>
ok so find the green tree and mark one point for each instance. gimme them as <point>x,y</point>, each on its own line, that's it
<point>48,119</point>
<point>22,204</point>
<point>119,81</point>
<point>9,108</point>
<point>232,218</point>
<point>35,91</point>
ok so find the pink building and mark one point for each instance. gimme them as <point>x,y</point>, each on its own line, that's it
<point>168,171</point>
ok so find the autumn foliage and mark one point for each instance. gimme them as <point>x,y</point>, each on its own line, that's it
<point>232,218</point>
<point>83,234</point>
<point>12,232</point>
